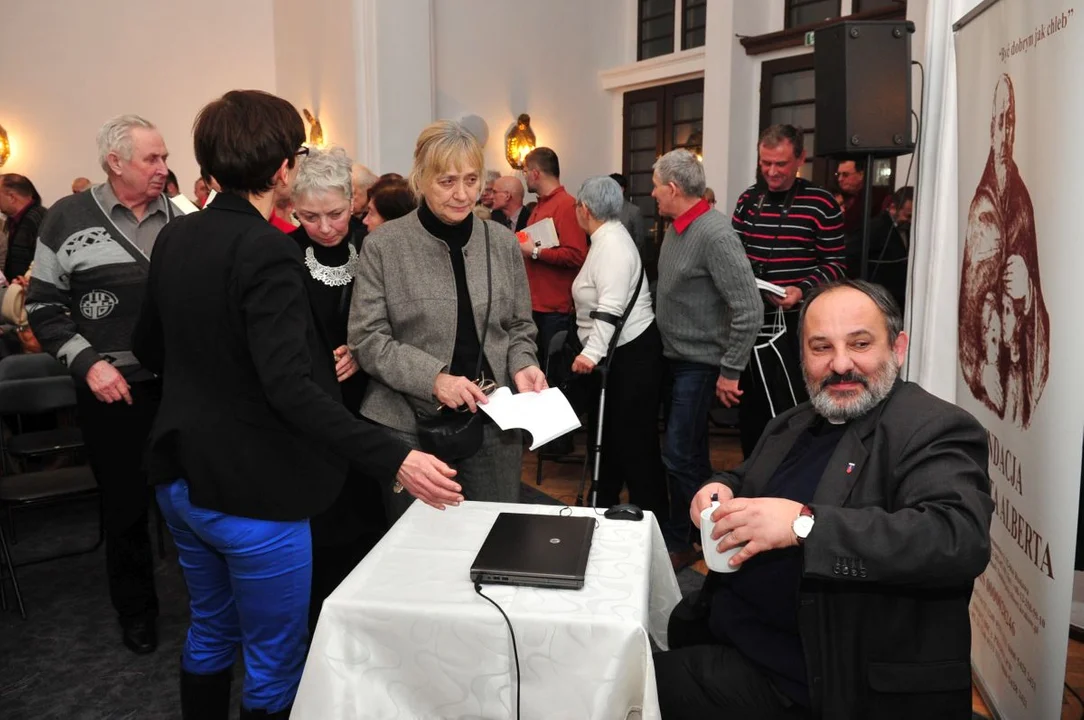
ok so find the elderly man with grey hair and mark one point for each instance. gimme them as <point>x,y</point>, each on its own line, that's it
<point>362,178</point>
<point>90,271</point>
<point>486,198</point>
<point>616,326</point>
<point>709,311</point>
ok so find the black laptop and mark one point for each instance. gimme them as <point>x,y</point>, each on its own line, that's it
<point>547,551</point>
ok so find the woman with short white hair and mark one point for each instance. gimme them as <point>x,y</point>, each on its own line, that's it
<point>322,194</point>
<point>612,279</point>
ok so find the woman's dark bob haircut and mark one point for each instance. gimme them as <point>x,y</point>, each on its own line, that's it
<point>242,138</point>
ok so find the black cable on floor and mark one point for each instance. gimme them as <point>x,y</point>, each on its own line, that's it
<point>515,652</point>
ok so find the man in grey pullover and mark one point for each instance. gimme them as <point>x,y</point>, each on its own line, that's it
<point>709,311</point>
<point>90,270</point>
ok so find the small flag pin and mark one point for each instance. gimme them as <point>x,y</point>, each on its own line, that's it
<point>850,468</point>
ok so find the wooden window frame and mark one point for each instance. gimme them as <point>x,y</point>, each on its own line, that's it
<point>686,29</point>
<point>856,7</point>
<point>640,20</point>
<point>792,4</point>
<point>822,167</point>
<point>664,123</point>
<point>795,36</point>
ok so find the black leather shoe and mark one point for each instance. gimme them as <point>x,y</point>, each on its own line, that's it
<point>139,634</point>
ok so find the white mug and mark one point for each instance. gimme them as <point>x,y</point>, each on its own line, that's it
<point>715,560</point>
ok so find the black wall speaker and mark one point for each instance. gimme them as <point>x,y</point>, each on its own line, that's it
<point>863,88</point>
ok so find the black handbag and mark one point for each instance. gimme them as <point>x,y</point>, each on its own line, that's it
<point>454,434</point>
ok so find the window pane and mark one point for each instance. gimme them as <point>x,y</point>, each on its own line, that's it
<point>641,161</point>
<point>655,48</point>
<point>656,29</point>
<point>882,172</point>
<point>865,5</point>
<point>792,86</point>
<point>807,144</point>
<point>812,12</point>
<point>803,116</point>
<point>689,107</point>
<point>644,113</point>
<point>651,8</point>
<point>643,139</point>
<point>683,133</point>
<point>696,17</point>
<point>641,184</point>
<point>694,39</point>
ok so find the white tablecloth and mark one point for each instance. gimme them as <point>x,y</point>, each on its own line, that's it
<point>405,635</point>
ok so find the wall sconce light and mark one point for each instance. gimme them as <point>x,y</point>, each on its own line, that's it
<point>519,142</point>
<point>696,144</point>
<point>5,146</point>
<point>316,130</point>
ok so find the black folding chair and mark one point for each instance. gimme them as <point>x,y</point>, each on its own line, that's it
<point>36,385</point>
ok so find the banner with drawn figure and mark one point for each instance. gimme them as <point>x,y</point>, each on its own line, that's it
<point>1021,331</point>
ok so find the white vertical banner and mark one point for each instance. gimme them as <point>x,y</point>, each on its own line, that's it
<point>1021,331</point>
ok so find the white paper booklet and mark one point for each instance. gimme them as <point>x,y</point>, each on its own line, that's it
<point>542,232</point>
<point>183,205</point>
<point>771,288</point>
<point>545,415</point>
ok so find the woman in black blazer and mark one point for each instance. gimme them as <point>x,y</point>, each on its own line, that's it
<point>251,439</point>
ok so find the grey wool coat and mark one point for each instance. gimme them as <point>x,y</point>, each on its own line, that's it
<point>403,314</point>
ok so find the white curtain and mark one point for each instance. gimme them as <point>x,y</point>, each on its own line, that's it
<point>934,290</point>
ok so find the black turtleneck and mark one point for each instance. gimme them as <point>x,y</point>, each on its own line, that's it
<point>467,346</point>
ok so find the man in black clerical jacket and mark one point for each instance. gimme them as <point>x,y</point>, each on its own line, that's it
<point>864,516</point>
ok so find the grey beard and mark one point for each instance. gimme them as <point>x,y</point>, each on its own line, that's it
<point>880,385</point>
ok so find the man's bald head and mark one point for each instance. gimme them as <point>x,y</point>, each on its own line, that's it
<point>80,184</point>
<point>507,194</point>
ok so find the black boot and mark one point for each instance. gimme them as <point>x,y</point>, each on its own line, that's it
<point>247,714</point>
<point>206,697</point>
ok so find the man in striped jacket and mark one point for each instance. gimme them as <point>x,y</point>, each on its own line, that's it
<point>792,231</point>
<point>90,271</point>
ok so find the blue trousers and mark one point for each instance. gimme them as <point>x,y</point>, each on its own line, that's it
<point>685,449</point>
<point>248,582</point>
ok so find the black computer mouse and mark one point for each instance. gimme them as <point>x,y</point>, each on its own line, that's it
<point>625,511</point>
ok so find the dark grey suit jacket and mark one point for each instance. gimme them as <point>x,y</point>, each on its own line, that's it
<point>902,529</point>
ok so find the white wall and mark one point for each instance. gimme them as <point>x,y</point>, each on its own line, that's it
<point>66,73</point>
<point>718,61</point>
<point>315,64</point>
<point>749,19</point>
<point>497,60</point>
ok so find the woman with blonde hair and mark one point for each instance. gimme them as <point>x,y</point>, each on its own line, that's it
<point>441,310</point>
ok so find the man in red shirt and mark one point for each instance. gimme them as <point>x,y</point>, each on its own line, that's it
<point>550,271</point>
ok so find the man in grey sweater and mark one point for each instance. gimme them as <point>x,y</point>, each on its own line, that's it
<point>709,311</point>
<point>90,271</point>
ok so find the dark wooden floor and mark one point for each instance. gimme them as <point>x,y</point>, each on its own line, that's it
<point>562,480</point>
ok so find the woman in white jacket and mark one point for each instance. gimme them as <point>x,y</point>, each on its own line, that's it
<point>605,286</point>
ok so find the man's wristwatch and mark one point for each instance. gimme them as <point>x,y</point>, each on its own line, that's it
<point>803,524</point>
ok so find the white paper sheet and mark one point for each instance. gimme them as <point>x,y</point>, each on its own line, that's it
<point>543,232</point>
<point>545,415</point>
<point>183,205</point>
<point>771,288</point>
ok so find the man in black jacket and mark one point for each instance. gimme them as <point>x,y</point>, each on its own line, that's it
<point>864,519</point>
<point>508,207</point>
<point>20,201</point>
